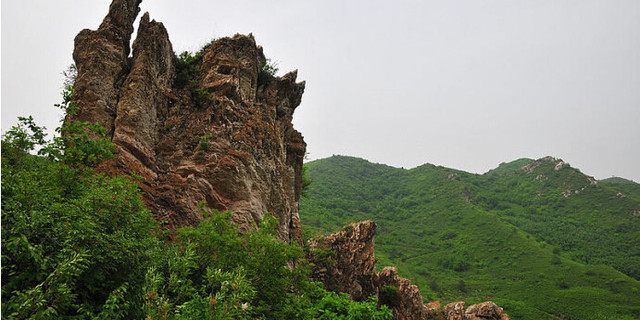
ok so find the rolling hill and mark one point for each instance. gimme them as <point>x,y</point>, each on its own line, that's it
<point>538,237</point>
<point>624,186</point>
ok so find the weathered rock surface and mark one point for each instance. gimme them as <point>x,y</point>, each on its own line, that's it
<point>454,311</point>
<point>222,135</point>
<point>101,57</point>
<point>485,310</point>
<point>434,311</point>
<point>352,270</point>
<point>409,304</point>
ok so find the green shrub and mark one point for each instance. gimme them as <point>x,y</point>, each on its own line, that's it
<point>462,286</point>
<point>187,67</point>
<point>73,241</point>
<point>267,71</point>
<point>204,141</point>
<point>79,244</point>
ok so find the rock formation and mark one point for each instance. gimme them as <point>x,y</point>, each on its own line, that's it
<point>485,310</point>
<point>215,129</point>
<point>351,269</point>
<point>454,311</point>
<point>409,303</point>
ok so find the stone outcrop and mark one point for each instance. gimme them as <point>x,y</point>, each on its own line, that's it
<point>101,58</point>
<point>485,310</point>
<point>351,269</point>
<point>454,311</point>
<point>434,311</point>
<point>216,129</point>
<point>409,303</point>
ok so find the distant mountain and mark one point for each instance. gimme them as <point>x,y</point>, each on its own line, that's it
<point>538,237</point>
<point>510,167</point>
<point>626,187</point>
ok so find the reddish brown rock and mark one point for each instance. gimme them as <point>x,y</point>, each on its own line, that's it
<point>352,269</point>
<point>454,311</point>
<point>218,135</point>
<point>139,108</point>
<point>101,61</point>
<point>409,304</point>
<point>485,311</point>
<point>434,311</point>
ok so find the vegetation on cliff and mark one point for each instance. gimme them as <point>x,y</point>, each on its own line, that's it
<point>78,243</point>
<point>539,238</point>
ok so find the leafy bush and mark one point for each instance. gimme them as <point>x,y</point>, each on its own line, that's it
<point>338,306</point>
<point>267,71</point>
<point>188,66</point>
<point>187,69</point>
<point>70,75</point>
<point>455,262</point>
<point>205,141</point>
<point>79,244</point>
<point>73,241</point>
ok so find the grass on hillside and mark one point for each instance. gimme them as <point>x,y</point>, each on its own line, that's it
<point>511,237</point>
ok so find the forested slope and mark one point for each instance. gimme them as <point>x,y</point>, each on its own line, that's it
<point>540,238</point>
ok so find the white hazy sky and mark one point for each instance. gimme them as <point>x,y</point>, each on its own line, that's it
<point>465,84</point>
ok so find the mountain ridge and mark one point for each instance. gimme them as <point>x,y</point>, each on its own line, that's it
<point>501,168</point>
<point>477,226</point>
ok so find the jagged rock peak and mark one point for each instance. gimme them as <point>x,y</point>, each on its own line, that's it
<point>101,60</point>
<point>119,21</point>
<point>215,129</point>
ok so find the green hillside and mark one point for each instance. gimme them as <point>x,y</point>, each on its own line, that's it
<point>626,187</point>
<point>544,241</point>
<point>509,167</point>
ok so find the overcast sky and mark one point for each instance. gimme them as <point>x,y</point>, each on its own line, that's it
<point>462,84</point>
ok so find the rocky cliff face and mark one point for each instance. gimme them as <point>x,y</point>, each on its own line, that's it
<point>213,130</point>
<point>352,270</point>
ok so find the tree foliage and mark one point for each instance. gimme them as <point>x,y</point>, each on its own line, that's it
<point>80,244</point>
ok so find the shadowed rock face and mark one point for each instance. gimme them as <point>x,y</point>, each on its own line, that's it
<point>221,136</point>
<point>353,272</point>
